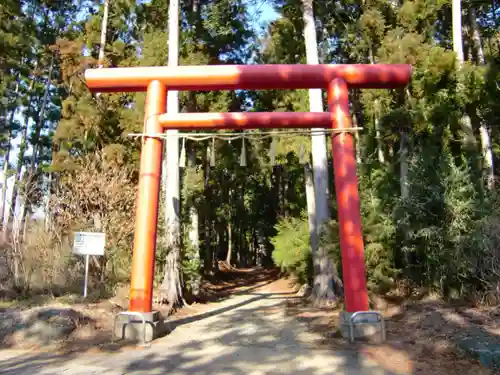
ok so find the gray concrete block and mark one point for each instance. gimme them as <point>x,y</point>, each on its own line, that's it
<point>131,327</point>
<point>365,327</point>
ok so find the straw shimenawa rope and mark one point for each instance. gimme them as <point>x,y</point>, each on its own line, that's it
<point>226,136</point>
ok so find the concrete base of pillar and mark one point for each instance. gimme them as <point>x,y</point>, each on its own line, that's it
<point>130,326</point>
<point>368,326</point>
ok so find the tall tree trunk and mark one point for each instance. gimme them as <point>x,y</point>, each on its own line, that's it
<point>172,285</point>
<point>323,288</point>
<point>207,262</point>
<point>311,206</point>
<point>467,43</point>
<point>403,165</point>
<point>194,235</point>
<point>457,30</point>
<point>17,223</point>
<point>194,216</point>
<point>476,37</point>
<point>239,252</point>
<point>469,139</point>
<point>48,212</point>
<point>104,31</point>
<point>487,152</point>
<point>380,151</point>
<point>194,231</point>
<point>229,243</point>
<point>279,188</point>
<point>284,183</point>
<point>3,197</point>
<point>243,250</point>
<point>24,226</point>
<point>23,218</point>
<point>484,129</point>
<point>219,230</point>
<point>20,161</point>
<point>357,139</point>
<point>32,175</point>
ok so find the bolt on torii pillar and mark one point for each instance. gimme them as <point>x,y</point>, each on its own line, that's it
<point>336,79</point>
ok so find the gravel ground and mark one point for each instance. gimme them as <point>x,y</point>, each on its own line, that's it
<point>249,333</point>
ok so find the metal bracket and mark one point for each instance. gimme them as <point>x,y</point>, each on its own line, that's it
<point>132,313</point>
<point>352,323</point>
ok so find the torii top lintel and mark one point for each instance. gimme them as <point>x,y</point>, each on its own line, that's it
<point>247,77</point>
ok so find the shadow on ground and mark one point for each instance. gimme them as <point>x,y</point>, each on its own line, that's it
<point>252,335</point>
<point>230,281</point>
<point>23,327</point>
<point>270,333</point>
<point>254,341</point>
<point>427,334</point>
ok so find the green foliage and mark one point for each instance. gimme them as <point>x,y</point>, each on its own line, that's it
<point>482,250</point>
<point>435,221</point>
<point>378,233</point>
<point>191,267</point>
<point>292,252</point>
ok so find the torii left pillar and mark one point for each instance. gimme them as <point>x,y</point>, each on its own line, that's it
<point>140,322</point>
<point>141,294</point>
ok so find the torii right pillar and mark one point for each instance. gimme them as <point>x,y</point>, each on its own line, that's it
<point>357,320</point>
<point>346,189</point>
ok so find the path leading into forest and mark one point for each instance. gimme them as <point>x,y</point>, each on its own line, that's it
<point>248,333</point>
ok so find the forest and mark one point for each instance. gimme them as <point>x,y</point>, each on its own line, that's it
<point>427,154</point>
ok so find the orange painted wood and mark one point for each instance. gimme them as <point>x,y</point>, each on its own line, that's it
<point>335,78</point>
<point>348,207</point>
<point>246,120</point>
<point>249,77</point>
<point>143,257</point>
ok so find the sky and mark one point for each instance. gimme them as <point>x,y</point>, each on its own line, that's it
<point>264,13</point>
<point>267,13</point>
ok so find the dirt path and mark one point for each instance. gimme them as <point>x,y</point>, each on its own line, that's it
<point>249,333</point>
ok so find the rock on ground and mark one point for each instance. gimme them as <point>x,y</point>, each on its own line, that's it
<point>39,327</point>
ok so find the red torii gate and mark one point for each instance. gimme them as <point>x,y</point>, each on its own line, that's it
<point>336,79</point>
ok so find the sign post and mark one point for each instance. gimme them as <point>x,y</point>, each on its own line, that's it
<point>86,275</point>
<point>88,243</point>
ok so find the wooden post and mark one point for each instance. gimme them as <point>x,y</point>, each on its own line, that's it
<point>143,258</point>
<point>346,188</point>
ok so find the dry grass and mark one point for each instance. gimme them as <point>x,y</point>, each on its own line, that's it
<point>41,265</point>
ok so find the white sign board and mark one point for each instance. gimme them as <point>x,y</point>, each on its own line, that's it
<point>89,243</point>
